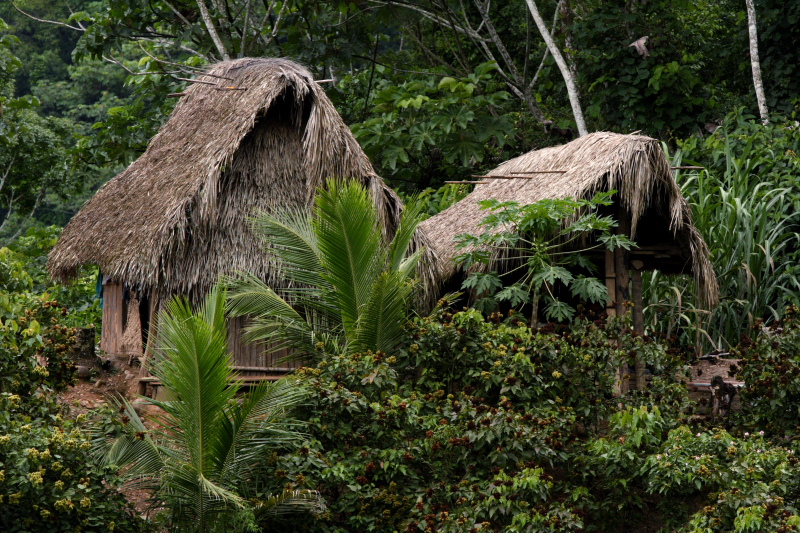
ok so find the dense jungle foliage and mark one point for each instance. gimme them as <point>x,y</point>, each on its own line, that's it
<point>461,419</point>
<point>47,479</point>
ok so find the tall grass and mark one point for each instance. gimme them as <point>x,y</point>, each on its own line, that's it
<point>749,221</point>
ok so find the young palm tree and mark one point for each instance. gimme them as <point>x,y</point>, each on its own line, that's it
<point>207,446</point>
<point>348,288</point>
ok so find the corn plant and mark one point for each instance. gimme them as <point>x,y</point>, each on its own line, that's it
<point>750,226</point>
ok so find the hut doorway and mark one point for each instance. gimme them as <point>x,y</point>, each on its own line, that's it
<point>126,320</point>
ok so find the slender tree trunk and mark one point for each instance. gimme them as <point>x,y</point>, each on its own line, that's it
<point>24,223</point>
<point>212,31</point>
<point>9,211</point>
<point>7,172</point>
<point>755,63</point>
<point>243,48</point>
<point>371,75</point>
<point>572,90</point>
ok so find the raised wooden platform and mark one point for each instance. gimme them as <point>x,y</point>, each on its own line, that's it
<point>149,385</point>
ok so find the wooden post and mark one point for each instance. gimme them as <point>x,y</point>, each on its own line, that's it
<point>622,284</point>
<point>152,332</point>
<point>638,321</point>
<point>611,280</point>
<point>611,310</point>
<point>621,266</point>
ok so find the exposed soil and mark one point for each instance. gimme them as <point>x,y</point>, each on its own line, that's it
<point>113,379</point>
<point>87,395</point>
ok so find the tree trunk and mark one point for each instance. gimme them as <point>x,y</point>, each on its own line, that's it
<point>212,31</point>
<point>245,29</point>
<point>23,223</point>
<point>572,90</point>
<point>566,22</point>
<point>755,63</point>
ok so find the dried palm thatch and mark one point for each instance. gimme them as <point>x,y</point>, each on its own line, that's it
<point>633,165</point>
<point>252,135</point>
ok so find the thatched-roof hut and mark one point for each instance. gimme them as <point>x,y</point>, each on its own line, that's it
<point>649,208</point>
<point>249,135</point>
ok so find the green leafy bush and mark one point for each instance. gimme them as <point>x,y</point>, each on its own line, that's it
<point>22,270</point>
<point>476,425</point>
<point>47,480</point>
<point>35,360</point>
<point>426,130</point>
<point>770,368</point>
<point>705,481</point>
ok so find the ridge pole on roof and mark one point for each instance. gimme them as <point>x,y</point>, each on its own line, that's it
<point>197,81</point>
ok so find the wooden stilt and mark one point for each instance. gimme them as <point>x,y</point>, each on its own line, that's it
<point>638,321</point>
<point>622,269</point>
<point>144,372</point>
<point>611,280</point>
<point>622,284</point>
<point>611,310</point>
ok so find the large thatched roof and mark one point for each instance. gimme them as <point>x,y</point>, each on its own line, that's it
<point>251,134</point>
<point>634,165</point>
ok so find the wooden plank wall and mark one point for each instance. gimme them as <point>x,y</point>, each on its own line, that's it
<point>114,310</point>
<point>254,356</point>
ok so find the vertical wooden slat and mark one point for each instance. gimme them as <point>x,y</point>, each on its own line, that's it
<point>105,323</point>
<point>113,318</point>
<point>258,355</point>
<point>232,338</point>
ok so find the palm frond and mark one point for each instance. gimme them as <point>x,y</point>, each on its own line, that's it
<point>383,318</point>
<point>261,422</point>
<point>291,240</point>
<point>404,237</point>
<point>137,456</point>
<point>347,292</point>
<point>408,266</point>
<point>193,366</point>
<point>350,242</point>
<point>280,397</point>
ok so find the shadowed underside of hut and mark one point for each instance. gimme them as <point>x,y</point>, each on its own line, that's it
<point>253,135</point>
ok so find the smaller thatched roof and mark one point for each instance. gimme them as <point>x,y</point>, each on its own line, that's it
<point>250,135</point>
<point>634,165</point>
